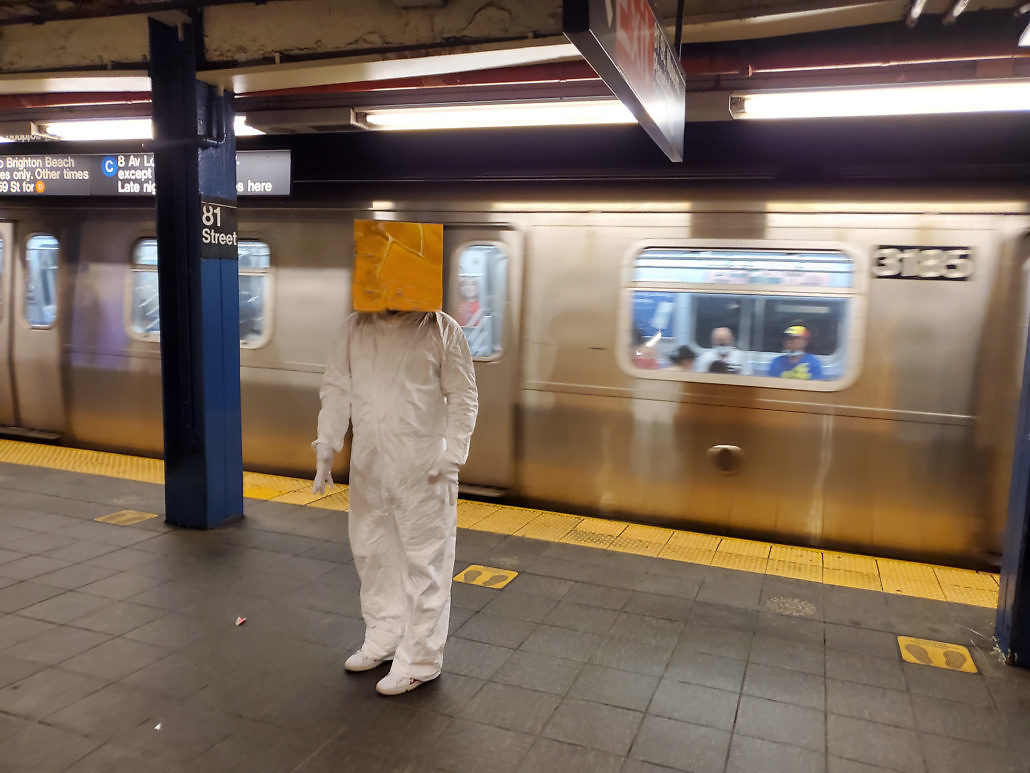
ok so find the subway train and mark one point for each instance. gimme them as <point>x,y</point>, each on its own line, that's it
<point>595,316</point>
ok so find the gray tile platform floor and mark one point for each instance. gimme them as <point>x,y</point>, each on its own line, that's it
<point>118,652</point>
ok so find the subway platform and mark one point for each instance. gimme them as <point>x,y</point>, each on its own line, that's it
<point>122,648</point>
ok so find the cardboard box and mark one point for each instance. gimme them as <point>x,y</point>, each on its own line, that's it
<point>397,266</point>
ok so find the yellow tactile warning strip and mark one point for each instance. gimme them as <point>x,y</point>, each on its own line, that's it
<point>78,460</point>
<point>487,576</point>
<point>906,578</point>
<point>125,517</point>
<point>953,657</point>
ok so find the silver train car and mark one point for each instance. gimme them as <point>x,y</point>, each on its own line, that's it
<point>578,303</point>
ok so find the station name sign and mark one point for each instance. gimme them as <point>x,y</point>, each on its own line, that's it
<point>624,42</point>
<point>258,173</point>
<point>218,238</point>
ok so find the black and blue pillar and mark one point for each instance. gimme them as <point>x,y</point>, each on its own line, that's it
<point>198,284</point>
<point>1012,626</point>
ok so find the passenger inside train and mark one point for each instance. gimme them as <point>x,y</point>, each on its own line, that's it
<point>724,350</point>
<point>644,350</point>
<point>683,358</point>
<point>795,362</point>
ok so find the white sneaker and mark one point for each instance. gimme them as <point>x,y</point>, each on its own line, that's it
<point>392,684</point>
<point>362,661</point>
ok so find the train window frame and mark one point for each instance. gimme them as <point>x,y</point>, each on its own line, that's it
<point>453,262</point>
<point>853,326</point>
<point>268,295</point>
<point>4,260</point>
<point>25,284</point>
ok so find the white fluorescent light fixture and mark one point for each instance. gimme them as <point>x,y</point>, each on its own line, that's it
<point>568,113</point>
<point>918,99</point>
<point>101,129</point>
<point>243,129</point>
<point>123,129</point>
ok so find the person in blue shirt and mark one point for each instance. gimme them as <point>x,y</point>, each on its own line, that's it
<point>795,362</point>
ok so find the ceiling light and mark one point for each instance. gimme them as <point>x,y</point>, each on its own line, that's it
<point>568,113</point>
<point>123,129</point>
<point>101,129</point>
<point>920,99</point>
<point>243,129</point>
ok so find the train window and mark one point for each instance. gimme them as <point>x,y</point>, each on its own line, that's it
<point>801,268</point>
<point>255,265</point>
<point>742,316</point>
<point>40,307</point>
<point>482,290</point>
<point>254,271</point>
<point>145,318</point>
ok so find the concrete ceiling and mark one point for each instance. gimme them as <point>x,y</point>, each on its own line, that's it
<point>87,35</point>
<point>294,46</point>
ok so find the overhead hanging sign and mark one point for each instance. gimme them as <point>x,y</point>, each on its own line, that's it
<point>258,173</point>
<point>624,42</point>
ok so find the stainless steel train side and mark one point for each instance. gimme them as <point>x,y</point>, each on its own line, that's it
<point>908,455</point>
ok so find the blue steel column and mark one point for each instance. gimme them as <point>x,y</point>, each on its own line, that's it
<point>1012,626</point>
<point>195,157</point>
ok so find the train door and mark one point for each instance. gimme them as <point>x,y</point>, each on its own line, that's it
<point>483,290</point>
<point>34,340</point>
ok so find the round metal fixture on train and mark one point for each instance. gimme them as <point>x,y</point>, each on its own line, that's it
<point>726,459</point>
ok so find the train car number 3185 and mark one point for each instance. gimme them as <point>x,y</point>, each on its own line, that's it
<point>923,262</point>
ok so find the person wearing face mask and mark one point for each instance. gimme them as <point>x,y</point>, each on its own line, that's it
<point>724,350</point>
<point>795,362</point>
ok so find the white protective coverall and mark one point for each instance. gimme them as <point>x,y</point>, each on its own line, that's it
<point>407,383</point>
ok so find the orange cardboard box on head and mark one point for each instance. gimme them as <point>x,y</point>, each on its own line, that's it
<point>397,266</point>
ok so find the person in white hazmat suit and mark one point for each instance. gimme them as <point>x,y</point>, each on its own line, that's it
<point>405,380</point>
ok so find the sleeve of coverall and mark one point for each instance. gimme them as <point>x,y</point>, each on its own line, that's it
<point>458,379</point>
<point>334,417</point>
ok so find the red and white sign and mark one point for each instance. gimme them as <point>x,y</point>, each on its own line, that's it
<point>624,42</point>
<point>634,43</point>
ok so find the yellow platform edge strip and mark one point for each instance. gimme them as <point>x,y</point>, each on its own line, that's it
<point>848,570</point>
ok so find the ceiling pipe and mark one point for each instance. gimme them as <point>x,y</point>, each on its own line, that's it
<point>72,99</point>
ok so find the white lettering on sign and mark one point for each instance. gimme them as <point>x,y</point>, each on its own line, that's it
<point>923,262</point>
<point>218,237</point>
<point>212,215</point>
<point>210,236</point>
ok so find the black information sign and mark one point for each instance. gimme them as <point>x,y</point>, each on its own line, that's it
<point>263,173</point>
<point>258,173</point>
<point>217,230</point>
<point>624,42</point>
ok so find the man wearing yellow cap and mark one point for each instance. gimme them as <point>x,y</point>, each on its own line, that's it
<point>795,362</point>
<point>400,374</point>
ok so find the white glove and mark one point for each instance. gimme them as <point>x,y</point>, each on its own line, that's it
<point>323,469</point>
<point>448,471</point>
